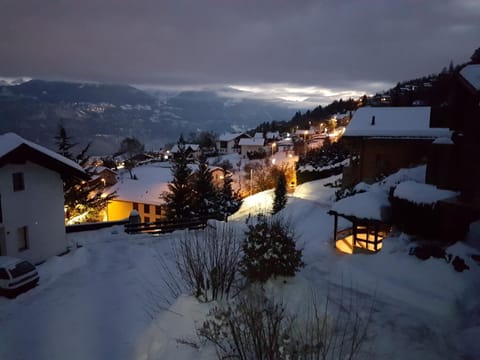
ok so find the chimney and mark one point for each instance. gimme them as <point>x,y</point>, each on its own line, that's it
<point>373,120</point>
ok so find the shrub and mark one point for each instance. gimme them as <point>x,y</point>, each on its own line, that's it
<point>255,327</point>
<point>269,250</point>
<point>208,261</point>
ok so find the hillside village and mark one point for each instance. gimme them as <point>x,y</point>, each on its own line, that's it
<point>382,205</point>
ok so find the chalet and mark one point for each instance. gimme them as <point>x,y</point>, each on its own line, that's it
<point>192,150</point>
<point>453,162</point>
<point>250,145</point>
<point>383,140</point>
<point>32,219</point>
<point>227,143</point>
<point>144,194</point>
<point>104,175</point>
<point>272,136</point>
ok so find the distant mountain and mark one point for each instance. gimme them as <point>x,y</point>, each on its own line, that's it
<point>105,114</point>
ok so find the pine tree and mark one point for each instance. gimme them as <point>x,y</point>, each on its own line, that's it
<point>64,143</point>
<point>205,195</point>
<point>228,200</point>
<point>178,198</point>
<point>280,199</point>
<point>86,198</point>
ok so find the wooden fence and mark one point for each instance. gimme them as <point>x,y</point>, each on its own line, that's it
<point>165,226</point>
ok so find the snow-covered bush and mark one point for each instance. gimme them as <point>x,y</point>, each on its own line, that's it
<point>254,326</point>
<point>208,261</point>
<point>269,250</point>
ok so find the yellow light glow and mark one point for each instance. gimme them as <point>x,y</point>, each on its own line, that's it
<point>345,245</point>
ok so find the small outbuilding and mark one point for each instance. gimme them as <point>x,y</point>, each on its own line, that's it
<point>366,222</point>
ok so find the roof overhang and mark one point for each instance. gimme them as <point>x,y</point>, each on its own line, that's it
<point>23,153</point>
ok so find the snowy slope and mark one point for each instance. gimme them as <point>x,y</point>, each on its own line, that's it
<point>93,302</point>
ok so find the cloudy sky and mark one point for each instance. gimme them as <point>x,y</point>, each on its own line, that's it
<point>290,49</point>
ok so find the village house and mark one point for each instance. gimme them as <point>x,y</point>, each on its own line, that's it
<point>227,143</point>
<point>383,140</point>
<point>251,145</point>
<point>106,176</point>
<point>144,194</point>
<point>192,151</point>
<point>32,220</point>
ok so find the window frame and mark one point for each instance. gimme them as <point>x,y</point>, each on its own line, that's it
<point>18,181</point>
<point>23,239</point>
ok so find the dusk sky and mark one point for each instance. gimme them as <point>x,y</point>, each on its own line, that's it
<point>320,50</point>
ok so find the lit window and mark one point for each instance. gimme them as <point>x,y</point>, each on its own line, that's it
<point>22,238</point>
<point>18,183</point>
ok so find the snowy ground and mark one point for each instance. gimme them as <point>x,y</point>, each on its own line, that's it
<point>94,303</point>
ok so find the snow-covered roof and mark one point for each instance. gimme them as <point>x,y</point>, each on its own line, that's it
<point>193,147</point>
<point>10,142</point>
<point>299,132</point>
<point>229,136</point>
<point>252,142</point>
<point>393,122</point>
<point>258,135</point>
<point>420,193</point>
<point>152,182</point>
<point>370,205</point>
<point>272,135</point>
<point>471,73</point>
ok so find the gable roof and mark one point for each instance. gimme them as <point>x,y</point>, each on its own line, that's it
<point>252,142</point>
<point>230,136</point>
<point>192,147</point>
<point>393,122</point>
<point>15,149</point>
<point>471,73</point>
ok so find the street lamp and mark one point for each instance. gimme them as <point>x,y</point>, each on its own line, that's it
<point>273,147</point>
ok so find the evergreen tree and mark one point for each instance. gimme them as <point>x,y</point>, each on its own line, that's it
<point>64,143</point>
<point>280,199</point>
<point>204,192</point>
<point>86,198</point>
<point>269,250</point>
<point>228,200</point>
<point>178,198</point>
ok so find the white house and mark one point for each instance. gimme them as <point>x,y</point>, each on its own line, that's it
<point>251,145</point>
<point>227,143</point>
<point>32,219</point>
